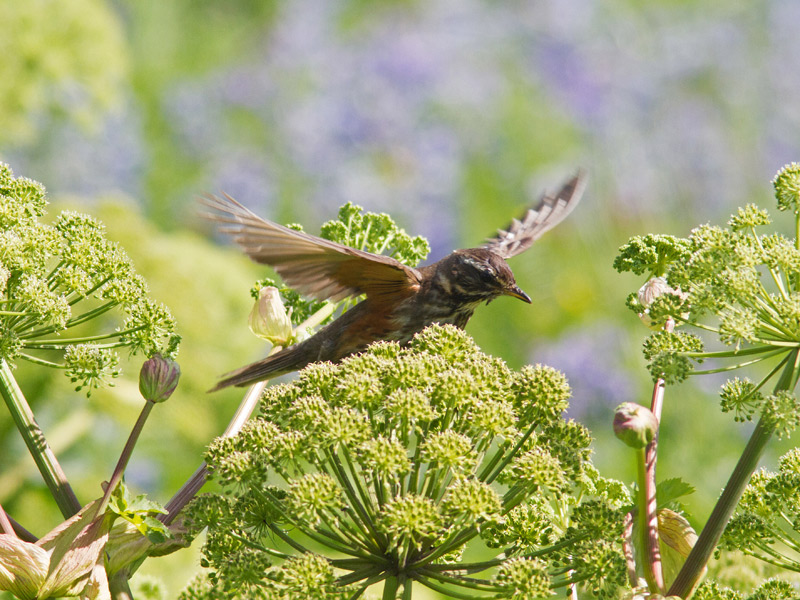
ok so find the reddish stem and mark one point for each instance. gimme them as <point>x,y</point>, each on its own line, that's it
<point>651,547</point>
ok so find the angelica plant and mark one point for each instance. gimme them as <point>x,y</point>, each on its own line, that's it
<point>742,285</point>
<point>385,468</point>
<point>771,589</point>
<point>55,279</point>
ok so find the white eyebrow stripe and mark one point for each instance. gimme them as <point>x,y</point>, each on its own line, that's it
<point>481,266</point>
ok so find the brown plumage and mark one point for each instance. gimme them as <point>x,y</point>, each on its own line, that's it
<point>400,300</point>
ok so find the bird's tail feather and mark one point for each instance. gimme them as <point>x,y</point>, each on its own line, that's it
<point>283,362</point>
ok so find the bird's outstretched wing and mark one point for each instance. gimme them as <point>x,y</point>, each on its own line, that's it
<point>315,267</point>
<point>551,210</point>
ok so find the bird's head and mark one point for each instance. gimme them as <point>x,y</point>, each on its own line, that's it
<point>481,274</point>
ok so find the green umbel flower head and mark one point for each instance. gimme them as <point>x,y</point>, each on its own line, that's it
<point>56,278</point>
<point>388,465</point>
<point>740,283</point>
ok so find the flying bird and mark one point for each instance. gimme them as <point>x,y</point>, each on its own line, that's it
<point>400,300</point>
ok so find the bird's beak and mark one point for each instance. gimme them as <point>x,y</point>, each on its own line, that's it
<point>515,292</point>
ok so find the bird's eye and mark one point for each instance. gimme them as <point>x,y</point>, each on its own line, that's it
<point>486,275</point>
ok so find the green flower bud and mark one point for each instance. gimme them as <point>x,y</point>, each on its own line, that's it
<point>158,378</point>
<point>268,319</point>
<point>748,217</point>
<point>524,578</point>
<point>635,425</point>
<point>411,520</point>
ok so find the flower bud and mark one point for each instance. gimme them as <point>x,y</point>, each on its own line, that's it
<point>268,319</point>
<point>655,287</point>
<point>652,290</point>
<point>635,425</point>
<point>158,378</point>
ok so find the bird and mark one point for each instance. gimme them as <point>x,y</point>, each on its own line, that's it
<point>399,300</point>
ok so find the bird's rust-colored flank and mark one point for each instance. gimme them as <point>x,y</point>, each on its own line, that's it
<point>400,300</point>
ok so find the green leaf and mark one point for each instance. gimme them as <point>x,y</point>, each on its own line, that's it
<point>670,490</point>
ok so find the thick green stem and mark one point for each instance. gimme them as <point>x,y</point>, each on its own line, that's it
<point>408,589</point>
<point>34,439</point>
<point>119,588</point>
<point>690,573</point>
<point>390,586</point>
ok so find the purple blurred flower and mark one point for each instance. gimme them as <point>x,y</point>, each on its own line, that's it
<point>385,106</point>
<point>87,161</point>
<point>383,114</point>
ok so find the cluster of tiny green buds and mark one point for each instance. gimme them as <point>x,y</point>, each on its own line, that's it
<point>375,232</point>
<point>651,254</point>
<point>667,352</point>
<point>635,425</point>
<point>411,520</point>
<point>742,397</point>
<point>523,579</point>
<point>787,187</point>
<point>54,278</point>
<point>771,589</point>
<point>389,464</point>
<point>90,366</point>
<point>749,281</point>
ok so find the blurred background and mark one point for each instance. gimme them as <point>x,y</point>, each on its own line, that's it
<point>451,115</point>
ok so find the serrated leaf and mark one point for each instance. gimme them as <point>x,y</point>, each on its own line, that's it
<point>670,490</point>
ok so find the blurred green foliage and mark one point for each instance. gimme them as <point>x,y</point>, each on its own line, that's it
<point>61,59</point>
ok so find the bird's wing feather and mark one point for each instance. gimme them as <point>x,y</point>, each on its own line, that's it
<point>549,212</point>
<point>315,267</point>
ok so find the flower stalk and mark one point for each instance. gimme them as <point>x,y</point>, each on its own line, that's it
<point>5,523</point>
<point>648,501</point>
